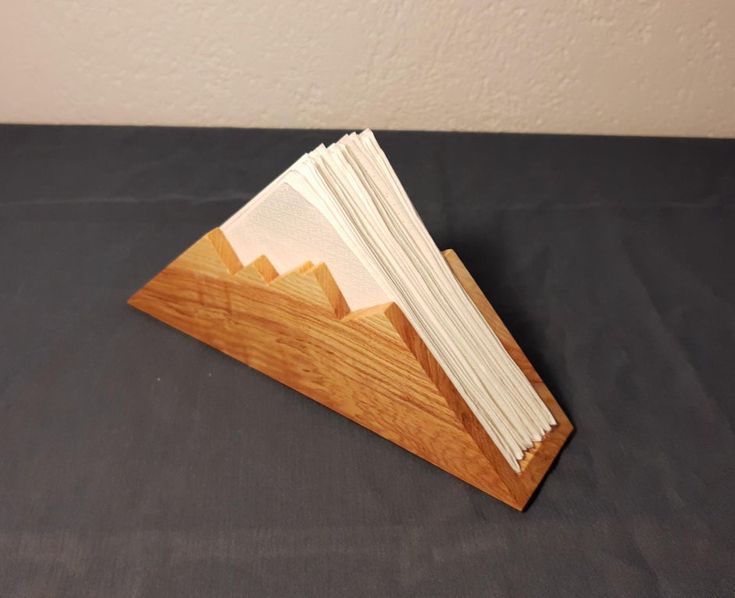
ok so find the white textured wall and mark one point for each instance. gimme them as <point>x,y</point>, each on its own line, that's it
<point>590,66</point>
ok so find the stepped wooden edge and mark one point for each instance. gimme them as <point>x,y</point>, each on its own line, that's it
<point>368,365</point>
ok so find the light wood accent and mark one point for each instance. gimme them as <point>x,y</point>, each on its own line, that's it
<point>370,365</point>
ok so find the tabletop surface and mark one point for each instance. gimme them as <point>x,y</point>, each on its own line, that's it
<point>136,461</point>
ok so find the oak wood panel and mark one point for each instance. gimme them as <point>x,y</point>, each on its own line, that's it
<point>370,365</point>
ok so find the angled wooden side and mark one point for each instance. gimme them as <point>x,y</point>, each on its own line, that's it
<point>541,456</point>
<point>368,365</point>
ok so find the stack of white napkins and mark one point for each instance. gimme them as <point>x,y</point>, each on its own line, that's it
<point>344,205</point>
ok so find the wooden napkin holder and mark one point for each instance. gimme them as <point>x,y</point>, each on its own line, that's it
<point>369,365</point>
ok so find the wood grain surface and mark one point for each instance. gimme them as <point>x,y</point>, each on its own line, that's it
<point>369,365</point>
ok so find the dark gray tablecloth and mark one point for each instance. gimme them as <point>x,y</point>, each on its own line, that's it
<point>135,461</point>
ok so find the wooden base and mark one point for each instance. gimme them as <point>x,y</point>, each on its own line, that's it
<point>369,365</point>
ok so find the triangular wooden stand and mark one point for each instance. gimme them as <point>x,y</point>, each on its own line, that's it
<point>370,365</point>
